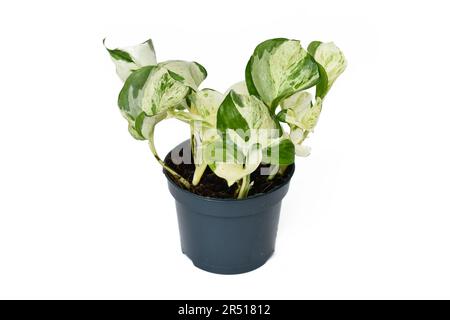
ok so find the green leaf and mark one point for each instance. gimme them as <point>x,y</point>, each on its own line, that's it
<point>281,152</point>
<point>118,54</point>
<point>281,116</point>
<point>312,47</point>
<point>229,117</point>
<point>251,87</point>
<point>132,58</point>
<point>278,68</point>
<point>323,85</point>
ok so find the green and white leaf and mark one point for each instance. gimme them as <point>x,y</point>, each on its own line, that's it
<point>298,136</point>
<point>132,58</point>
<point>280,152</point>
<point>163,91</point>
<point>248,117</point>
<point>191,74</point>
<point>201,115</point>
<point>154,90</point>
<point>130,97</point>
<point>205,103</point>
<point>248,128</point>
<point>299,111</point>
<point>146,124</point>
<point>239,88</point>
<point>278,68</point>
<point>331,58</point>
<point>184,116</point>
<point>311,116</point>
<point>302,116</point>
<point>234,170</point>
<point>134,132</point>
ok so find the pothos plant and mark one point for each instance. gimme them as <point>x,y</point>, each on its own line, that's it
<point>235,132</point>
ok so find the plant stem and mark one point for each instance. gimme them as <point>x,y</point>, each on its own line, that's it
<point>245,187</point>
<point>199,169</point>
<point>272,175</point>
<point>198,173</point>
<point>282,170</point>
<point>151,143</point>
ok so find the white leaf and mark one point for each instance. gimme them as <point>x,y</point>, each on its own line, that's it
<point>302,151</point>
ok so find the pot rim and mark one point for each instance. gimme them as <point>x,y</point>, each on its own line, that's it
<point>222,200</point>
<point>211,199</point>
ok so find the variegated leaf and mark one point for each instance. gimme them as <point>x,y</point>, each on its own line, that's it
<point>132,58</point>
<point>247,128</point>
<point>299,111</point>
<point>201,115</point>
<point>189,73</point>
<point>130,97</point>
<point>155,90</point>
<point>331,59</point>
<point>233,171</point>
<point>205,104</point>
<point>246,115</point>
<point>148,92</point>
<point>278,68</point>
<point>297,136</point>
<point>145,124</point>
<point>280,152</point>
<point>239,88</point>
<point>164,90</point>
<point>302,115</point>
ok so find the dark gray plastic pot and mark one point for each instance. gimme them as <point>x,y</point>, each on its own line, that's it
<point>228,236</point>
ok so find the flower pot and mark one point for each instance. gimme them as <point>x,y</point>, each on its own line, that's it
<point>228,236</point>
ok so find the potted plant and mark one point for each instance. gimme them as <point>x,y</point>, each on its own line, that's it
<point>229,178</point>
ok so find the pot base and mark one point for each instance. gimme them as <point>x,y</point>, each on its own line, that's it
<point>237,241</point>
<point>230,270</point>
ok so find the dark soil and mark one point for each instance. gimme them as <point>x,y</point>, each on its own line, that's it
<point>215,187</point>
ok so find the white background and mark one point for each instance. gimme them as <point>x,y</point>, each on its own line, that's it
<point>84,208</point>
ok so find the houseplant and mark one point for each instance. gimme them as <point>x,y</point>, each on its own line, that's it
<point>229,178</point>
